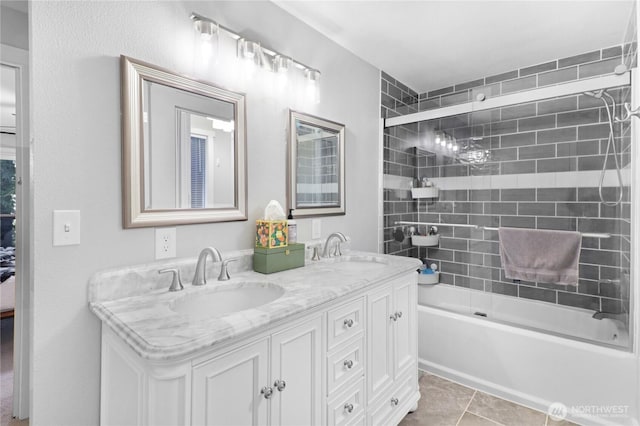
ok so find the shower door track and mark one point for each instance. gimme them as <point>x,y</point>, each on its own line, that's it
<point>564,89</point>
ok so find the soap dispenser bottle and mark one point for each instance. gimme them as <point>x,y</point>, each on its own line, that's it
<point>292,228</point>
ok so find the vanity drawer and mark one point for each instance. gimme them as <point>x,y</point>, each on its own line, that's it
<point>345,364</point>
<point>347,408</point>
<point>344,322</point>
<point>383,410</point>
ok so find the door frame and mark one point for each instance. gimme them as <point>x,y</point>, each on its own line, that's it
<point>19,59</point>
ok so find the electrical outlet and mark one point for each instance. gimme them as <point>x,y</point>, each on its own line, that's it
<point>316,228</point>
<point>165,243</point>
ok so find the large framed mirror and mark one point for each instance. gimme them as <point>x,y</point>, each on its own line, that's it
<point>184,149</point>
<point>315,169</point>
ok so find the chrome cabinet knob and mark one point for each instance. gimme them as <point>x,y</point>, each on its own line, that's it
<point>399,314</point>
<point>394,401</point>
<point>348,323</point>
<point>348,364</point>
<point>348,407</point>
<point>394,317</point>
<point>280,385</point>
<point>267,391</point>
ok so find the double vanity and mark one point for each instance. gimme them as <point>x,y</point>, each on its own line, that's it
<point>333,342</point>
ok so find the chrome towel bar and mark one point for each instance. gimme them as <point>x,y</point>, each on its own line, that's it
<point>490,228</point>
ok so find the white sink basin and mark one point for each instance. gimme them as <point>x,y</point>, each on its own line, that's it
<point>227,299</point>
<point>357,264</point>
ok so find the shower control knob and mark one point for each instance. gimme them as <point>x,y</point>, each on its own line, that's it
<point>348,323</point>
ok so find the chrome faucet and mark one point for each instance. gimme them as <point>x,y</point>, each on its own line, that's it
<point>200,276</point>
<point>340,236</point>
<point>622,316</point>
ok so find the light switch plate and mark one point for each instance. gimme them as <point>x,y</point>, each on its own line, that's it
<point>66,227</point>
<point>165,243</point>
<point>316,228</point>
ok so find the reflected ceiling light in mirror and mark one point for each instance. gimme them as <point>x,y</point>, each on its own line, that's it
<point>224,125</point>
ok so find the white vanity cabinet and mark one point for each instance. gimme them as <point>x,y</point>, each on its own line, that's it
<point>352,360</point>
<point>392,336</point>
<point>276,380</point>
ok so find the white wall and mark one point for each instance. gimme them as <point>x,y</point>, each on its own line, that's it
<point>13,28</point>
<point>75,49</point>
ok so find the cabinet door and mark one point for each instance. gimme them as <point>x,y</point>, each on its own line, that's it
<point>226,390</point>
<point>379,341</point>
<point>296,365</point>
<point>405,332</point>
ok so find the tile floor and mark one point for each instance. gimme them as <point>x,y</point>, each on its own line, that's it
<point>446,403</point>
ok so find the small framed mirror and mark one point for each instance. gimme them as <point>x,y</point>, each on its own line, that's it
<point>184,149</point>
<point>316,166</point>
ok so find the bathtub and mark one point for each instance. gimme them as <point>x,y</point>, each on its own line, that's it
<point>534,364</point>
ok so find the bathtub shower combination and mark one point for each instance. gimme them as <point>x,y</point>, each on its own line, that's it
<point>551,157</point>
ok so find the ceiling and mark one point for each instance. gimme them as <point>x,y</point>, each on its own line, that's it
<point>434,44</point>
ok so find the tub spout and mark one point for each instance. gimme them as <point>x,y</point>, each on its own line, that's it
<point>622,316</point>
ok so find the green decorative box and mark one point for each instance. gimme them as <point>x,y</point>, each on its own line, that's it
<point>269,260</point>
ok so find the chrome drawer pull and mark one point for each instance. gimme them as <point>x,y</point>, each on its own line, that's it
<point>348,323</point>
<point>348,363</point>
<point>348,407</point>
<point>267,391</point>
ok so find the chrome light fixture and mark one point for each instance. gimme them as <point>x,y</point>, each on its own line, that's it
<point>206,28</point>
<point>312,75</point>
<point>281,63</point>
<point>247,49</point>
<point>264,57</point>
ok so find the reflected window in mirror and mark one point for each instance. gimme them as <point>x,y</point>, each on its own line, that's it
<point>184,151</point>
<point>316,166</point>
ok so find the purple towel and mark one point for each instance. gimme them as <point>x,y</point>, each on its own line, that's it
<point>540,255</point>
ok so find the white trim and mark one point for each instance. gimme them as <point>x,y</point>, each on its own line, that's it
<point>381,181</point>
<point>563,89</point>
<point>19,59</point>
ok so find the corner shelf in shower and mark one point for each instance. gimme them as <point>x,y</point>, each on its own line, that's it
<point>425,240</point>
<point>428,192</point>
<point>429,279</point>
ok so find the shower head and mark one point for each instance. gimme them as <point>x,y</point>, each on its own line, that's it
<point>597,94</point>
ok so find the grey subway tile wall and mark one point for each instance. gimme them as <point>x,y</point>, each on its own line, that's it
<point>567,134</point>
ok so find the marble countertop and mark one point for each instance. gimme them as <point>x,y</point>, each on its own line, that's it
<point>135,304</point>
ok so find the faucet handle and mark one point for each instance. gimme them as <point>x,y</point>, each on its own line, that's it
<point>176,281</point>
<point>224,270</point>
<point>316,253</point>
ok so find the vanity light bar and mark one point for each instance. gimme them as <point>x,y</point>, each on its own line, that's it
<point>205,26</point>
